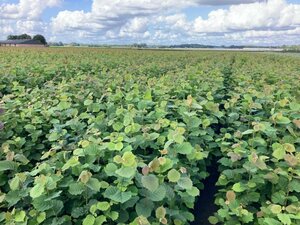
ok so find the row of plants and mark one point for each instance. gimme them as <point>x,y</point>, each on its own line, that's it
<point>260,165</point>
<point>117,148</point>
<point>124,137</point>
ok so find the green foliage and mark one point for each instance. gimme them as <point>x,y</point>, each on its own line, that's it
<point>124,137</point>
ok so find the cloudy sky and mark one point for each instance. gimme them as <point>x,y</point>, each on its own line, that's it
<point>218,22</point>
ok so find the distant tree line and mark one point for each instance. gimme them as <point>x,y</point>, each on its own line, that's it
<point>37,37</point>
<point>141,45</point>
<point>56,44</point>
<point>293,48</point>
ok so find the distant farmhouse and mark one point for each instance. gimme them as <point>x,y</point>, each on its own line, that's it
<point>22,43</point>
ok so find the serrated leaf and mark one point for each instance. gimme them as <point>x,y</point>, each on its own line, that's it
<point>37,190</point>
<point>14,183</point>
<point>158,195</point>
<point>20,216</point>
<point>144,207</point>
<point>213,220</point>
<point>76,188</point>
<point>100,220</point>
<point>238,187</point>
<point>185,183</point>
<point>94,184</point>
<point>41,217</point>
<point>150,182</point>
<point>185,148</point>
<point>126,172</point>
<point>160,212</point>
<point>193,192</point>
<point>128,159</point>
<point>275,208</point>
<point>89,220</point>
<point>271,221</point>
<point>115,194</point>
<point>173,175</point>
<point>278,151</point>
<point>284,218</point>
<point>295,185</point>
<point>103,206</point>
<point>8,165</point>
<point>73,161</point>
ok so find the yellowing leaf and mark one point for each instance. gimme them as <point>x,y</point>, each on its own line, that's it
<point>128,159</point>
<point>230,195</point>
<point>160,212</point>
<point>85,176</point>
<point>173,175</point>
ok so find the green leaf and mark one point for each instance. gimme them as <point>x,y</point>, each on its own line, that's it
<point>119,146</point>
<point>157,195</point>
<point>250,131</point>
<point>278,151</point>
<point>41,217</point>
<point>275,209</point>
<point>92,149</point>
<point>14,183</point>
<point>126,172</point>
<point>206,123</point>
<point>94,184</point>
<point>144,207</point>
<point>113,215</point>
<point>115,194</point>
<point>193,192</point>
<point>110,169</point>
<point>88,102</point>
<point>185,183</point>
<point>213,220</point>
<point>271,221</point>
<point>238,187</point>
<point>20,216</point>
<point>89,220</point>
<point>103,206</point>
<point>128,159</point>
<point>8,165</point>
<point>173,175</point>
<point>148,95</point>
<point>283,120</point>
<point>76,188</point>
<point>100,220</point>
<point>295,185</point>
<point>150,182</point>
<point>284,218</point>
<point>53,136</point>
<point>185,148</point>
<point>37,190</point>
<point>73,161</point>
<point>118,126</point>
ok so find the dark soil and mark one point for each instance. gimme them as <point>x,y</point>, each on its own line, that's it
<point>205,206</point>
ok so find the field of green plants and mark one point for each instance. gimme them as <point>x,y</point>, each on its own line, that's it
<point>112,136</point>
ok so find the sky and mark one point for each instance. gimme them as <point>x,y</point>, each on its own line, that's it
<point>213,22</point>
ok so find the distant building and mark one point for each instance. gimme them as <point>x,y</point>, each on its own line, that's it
<point>22,43</point>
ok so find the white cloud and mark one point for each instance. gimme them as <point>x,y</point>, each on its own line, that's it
<point>26,9</point>
<point>274,14</point>
<point>157,21</point>
<point>24,17</point>
<point>127,17</point>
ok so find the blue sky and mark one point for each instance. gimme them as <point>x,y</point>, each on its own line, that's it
<point>226,22</point>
